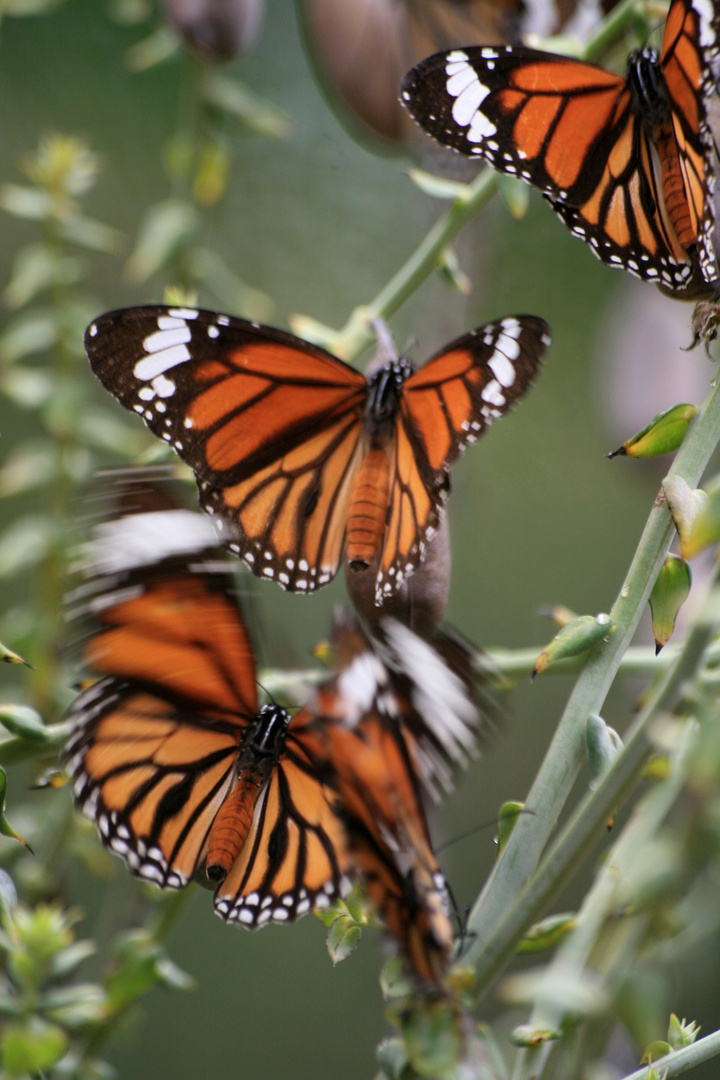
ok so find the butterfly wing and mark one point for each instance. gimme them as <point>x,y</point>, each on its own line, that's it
<point>570,130</point>
<point>154,754</point>
<point>155,740</point>
<point>690,47</point>
<point>269,424</point>
<point>445,406</point>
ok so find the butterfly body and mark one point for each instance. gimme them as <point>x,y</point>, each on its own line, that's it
<point>260,752</point>
<point>627,162</point>
<point>302,461</point>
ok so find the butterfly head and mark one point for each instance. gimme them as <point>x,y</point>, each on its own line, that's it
<point>264,739</point>
<point>384,390</point>
<point>648,88</point>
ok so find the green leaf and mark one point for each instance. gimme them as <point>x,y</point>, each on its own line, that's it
<point>106,430</point>
<point>211,174</point>
<point>575,638</point>
<point>663,434</point>
<point>668,595</point>
<point>38,267</point>
<point>343,938</point>
<point>76,1006</point>
<point>27,387</point>
<point>25,543</point>
<point>155,49</point>
<point>452,273</point>
<point>392,1058</point>
<point>65,962</point>
<point>31,332</point>
<point>93,235</point>
<point>434,1037</point>
<point>29,1048</point>
<point>167,227</point>
<point>27,466</point>
<point>239,101</point>
<point>25,202</point>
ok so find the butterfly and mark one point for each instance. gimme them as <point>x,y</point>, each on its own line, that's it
<point>300,458</point>
<point>628,163</point>
<point>395,722</point>
<point>184,774</point>
<point>186,777</point>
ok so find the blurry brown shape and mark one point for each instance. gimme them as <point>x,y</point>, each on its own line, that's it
<point>704,324</point>
<point>361,48</point>
<point>217,29</point>
<point>421,599</point>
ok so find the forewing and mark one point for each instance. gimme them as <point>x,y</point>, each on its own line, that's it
<point>445,406</point>
<point>268,423</point>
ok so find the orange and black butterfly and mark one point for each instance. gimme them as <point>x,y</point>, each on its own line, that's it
<point>171,756</point>
<point>188,778</point>
<point>394,723</point>
<point>300,458</point>
<point>628,163</point>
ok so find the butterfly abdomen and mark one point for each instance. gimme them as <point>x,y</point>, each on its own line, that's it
<point>231,826</point>
<point>674,187</point>
<point>368,509</point>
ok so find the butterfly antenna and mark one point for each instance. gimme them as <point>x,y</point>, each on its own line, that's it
<point>473,831</point>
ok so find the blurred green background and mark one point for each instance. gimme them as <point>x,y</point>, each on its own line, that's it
<point>537,514</point>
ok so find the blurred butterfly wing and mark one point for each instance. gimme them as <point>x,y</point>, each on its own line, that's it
<point>446,406</point>
<point>295,858</point>
<point>690,45</point>
<point>380,805</point>
<point>269,424</point>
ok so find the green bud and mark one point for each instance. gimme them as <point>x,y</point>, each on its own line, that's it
<point>667,597</point>
<point>602,745</point>
<point>452,273</point>
<point>548,932</point>
<point>508,815</point>
<point>527,1035</point>
<point>29,1049</point>
<point>575,638</point>
<point>9,657</point>
<point>655,1050</point>
<point>438,187</point>
<point>685,505</point>
<point>515,194</point>
<point>681,1032</point>
<point>5,827</point>
<point>663,434</point>
<point>705,527</point>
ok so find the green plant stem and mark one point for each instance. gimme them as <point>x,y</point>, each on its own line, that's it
<point>680,1061</point>
<point>357,334</point>
<point>494,922</point>
<point>574,951</point>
